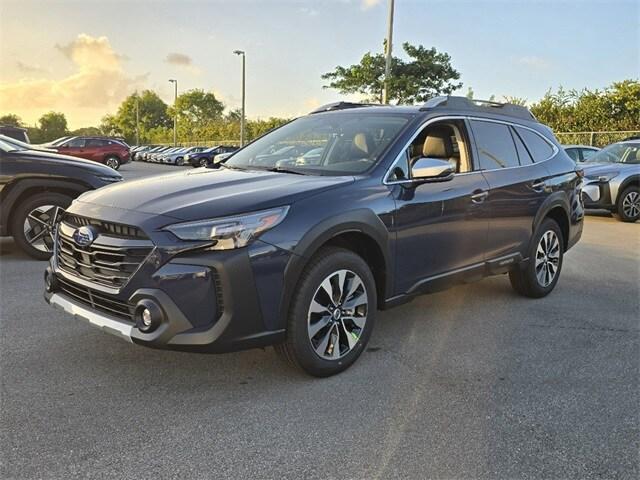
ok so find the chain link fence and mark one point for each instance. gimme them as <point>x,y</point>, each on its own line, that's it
<point>596,139</point>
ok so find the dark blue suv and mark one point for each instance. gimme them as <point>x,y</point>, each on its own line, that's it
<point>303,234</point>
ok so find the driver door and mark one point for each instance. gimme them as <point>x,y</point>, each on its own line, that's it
<point>441,227</point>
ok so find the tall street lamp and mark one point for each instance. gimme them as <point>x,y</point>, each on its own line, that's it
<point>175,112</point>
<point>243,118</point>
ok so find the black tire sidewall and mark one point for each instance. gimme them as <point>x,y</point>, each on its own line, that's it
<point>621,198</point>
<point>61,200</point>
<point>297,333</point>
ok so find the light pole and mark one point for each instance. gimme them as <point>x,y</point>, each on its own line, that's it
<point>242,118</point>
<point>387,67</point>
<point>175,112</point>
<point>137,119</point>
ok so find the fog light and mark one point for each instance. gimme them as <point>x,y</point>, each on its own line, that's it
<point>148,315</point>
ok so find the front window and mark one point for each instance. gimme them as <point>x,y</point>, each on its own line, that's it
<point>617,153</point>
<point>344,143</point>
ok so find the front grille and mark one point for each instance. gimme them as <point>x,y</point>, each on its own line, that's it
<point>116,229</point>
<point>97,300</point>
<point>109,261</point>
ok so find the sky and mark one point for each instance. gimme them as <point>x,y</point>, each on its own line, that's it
<point>84,57</point>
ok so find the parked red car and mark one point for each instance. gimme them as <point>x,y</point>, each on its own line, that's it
<point>110,151</point>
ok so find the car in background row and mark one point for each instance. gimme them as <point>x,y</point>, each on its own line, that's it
<point>612,180</point>
<point>580,153</point>
<point>110,151</point>
<point>178,157</point>
<point>17,133</point>
<point>206,157</point>
<point>35,185</point>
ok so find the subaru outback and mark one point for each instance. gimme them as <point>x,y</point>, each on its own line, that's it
<point>300,251</point>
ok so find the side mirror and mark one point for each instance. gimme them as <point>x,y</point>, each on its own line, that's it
<point>433,169</point>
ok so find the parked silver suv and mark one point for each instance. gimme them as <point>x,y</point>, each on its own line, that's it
<point>612,180</point>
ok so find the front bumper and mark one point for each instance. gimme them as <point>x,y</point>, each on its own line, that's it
<point>210,301</point>
<point>597,194</point>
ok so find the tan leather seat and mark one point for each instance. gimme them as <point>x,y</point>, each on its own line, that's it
<point>362,146</point>
<point>438,144</point>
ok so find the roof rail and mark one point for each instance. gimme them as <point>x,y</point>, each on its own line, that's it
<point>341,106</point>
<point>472,104</point>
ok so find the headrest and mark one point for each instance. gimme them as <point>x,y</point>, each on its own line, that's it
<point>361,142</point>
<point>438,143</point>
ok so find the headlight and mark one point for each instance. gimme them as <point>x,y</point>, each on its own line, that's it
<point>230,232</point>
<point>603,178</point>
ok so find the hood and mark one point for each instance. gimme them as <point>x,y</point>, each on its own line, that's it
<point>210,193</point>
<point>45,157</point>
<point>593,169</point>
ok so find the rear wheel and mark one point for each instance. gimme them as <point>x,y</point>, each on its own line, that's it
<point>540,275</point>
<point>33,221</point>
<point>204,162</point>
<point>332,313</point>
<point>629,204</point>
<point>112,162</point>
<point>179,161</point>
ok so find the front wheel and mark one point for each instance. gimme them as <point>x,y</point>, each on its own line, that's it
<point>629,204</point>
<point>33,221</point>
<point>540,275</point>
<point>204,162</point>
<point>179,161</point>
<point>332,313</point>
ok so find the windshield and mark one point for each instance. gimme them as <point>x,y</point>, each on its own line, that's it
<point>58,141</point>
<point>617,153</point>
<point>344,143</point>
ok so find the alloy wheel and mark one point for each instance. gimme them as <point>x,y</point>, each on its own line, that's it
<point>38,227</point>
<point>547,258</point>
<point>112,162</point>
<point>337,314</point>
<point>203,162</point>
<point>631,204</point>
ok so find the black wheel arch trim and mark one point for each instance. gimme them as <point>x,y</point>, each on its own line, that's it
<point>13,191</point>
<point>632,180</point>
<point>361,221</point>
<point>555,200</point>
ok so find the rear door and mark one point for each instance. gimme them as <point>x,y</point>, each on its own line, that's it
<point>517,185</point>
<point>94,149</point>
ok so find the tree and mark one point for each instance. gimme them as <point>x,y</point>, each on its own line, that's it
<point>52,125</point>
<point>153,112</point>
<point>11,120</point>
<point>197,107</point>
<point>428,73</point>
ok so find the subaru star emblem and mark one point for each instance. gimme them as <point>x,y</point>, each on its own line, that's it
<point>84,236</point>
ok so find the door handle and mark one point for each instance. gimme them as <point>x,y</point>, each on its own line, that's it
<point>538,185</point>
<point>479,197</point>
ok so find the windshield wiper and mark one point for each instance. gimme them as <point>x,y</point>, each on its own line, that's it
<point>284,170</point>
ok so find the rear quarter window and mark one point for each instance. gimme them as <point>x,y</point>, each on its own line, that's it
<point>539,148</point>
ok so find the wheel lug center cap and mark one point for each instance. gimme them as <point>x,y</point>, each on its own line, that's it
<point>337,313</point>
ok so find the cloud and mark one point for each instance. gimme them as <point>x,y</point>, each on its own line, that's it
<point>98,82</point>
<point>311,12</point>
<point>179,59</point>
<point>29,69</point>
<point>367,4</point>
<point>534,62</point>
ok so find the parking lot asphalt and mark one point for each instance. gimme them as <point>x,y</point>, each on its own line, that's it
<point>474,382</point>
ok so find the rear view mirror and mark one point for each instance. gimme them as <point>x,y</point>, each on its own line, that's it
<point>425,168</point>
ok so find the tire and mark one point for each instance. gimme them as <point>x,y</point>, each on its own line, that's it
<point>179,161</point>
<point>204,162</point>
<point>628,204</point>
<point>37,242</point>
<point>113,162</point>
<point>311,335</point>
<point>545,259</point>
